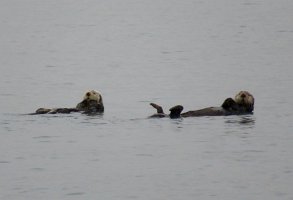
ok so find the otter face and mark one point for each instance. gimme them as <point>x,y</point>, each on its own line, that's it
<point>93,95</point>
<point>246,100</point>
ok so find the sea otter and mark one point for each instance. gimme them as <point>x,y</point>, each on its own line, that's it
<point>92,103</point>
<point>243,104</point>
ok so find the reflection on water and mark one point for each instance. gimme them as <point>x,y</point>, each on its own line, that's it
<point>244,121</point>
<point>242,126</point>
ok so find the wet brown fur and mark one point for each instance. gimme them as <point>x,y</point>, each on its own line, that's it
<point>243,104</point>
<point>88,105</point>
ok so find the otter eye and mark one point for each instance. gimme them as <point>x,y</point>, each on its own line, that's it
<point>88,94</point>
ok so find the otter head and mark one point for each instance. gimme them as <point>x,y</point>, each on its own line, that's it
<point>245,100</point>
<point>92,102</point>
<point>93,96</point>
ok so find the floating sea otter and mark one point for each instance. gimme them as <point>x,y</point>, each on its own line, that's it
<point>92,103</point>
<point>242,104</point>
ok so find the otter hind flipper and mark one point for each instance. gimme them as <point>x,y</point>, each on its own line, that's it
<point>159,108</point>
<point>175,111</point>
<point>42,111</point>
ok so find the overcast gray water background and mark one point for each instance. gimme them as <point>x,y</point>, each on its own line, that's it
<point>195,53</point>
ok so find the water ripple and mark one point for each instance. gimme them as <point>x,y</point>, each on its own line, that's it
<point>75,193</point>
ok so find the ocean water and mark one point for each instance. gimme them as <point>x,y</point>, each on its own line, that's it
<point>193,52</point>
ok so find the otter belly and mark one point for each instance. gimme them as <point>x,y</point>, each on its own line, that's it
<point>211,111</point>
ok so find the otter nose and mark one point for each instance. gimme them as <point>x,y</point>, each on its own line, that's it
<point>243,95</point>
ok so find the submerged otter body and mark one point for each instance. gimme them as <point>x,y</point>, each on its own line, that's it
<point>243,104</point>
<point>229,107</point>
<point>92,103</point>
<point>55,110</point>
<point>211,111</point>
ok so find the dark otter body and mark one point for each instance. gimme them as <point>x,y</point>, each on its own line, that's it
<point>54,110</point>
<point>86,106</point>
<point>90,106</point>
<point>211,111</point>
<point>229,107</point>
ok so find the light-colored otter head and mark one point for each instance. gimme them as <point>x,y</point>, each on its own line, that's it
<point>246,100</point>
<point>93,95</point>
<point>92,103</point>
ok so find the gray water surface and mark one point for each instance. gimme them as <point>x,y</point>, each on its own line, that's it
<point>194,53</point>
